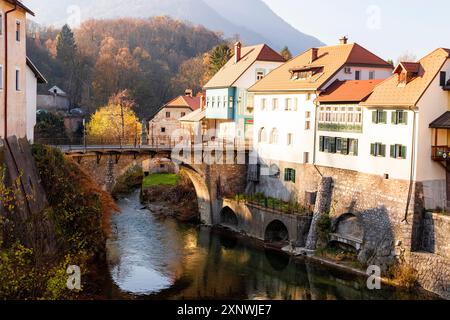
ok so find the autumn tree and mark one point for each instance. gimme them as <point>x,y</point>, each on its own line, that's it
<point>218,57</point>
<point>286,54</point>
<point>192,74</point>
<point>116,122</point>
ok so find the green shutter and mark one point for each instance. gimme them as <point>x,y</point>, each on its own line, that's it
<point>383,150</point>
<point>405,117</point>
<point>394,117</point>
<point>383,117</point>
<point>404,152</point>
<point>372,149</point>
<point>355,147</point>
<point>294,174</point>
<point>374,117</point>
<point>338,145</point>
<point>321,144</point>
<point>286,174</point>
<point>393,151</point>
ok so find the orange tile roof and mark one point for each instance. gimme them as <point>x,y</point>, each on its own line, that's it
<point>389,93</point>
<point>231,72</point>
<point>331,58</point>
<point>348,91</point>
<point>184,102</point>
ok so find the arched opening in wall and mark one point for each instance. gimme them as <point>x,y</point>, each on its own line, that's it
<point>347,233</point>
<point>228,218</point>
<point>276,232</point>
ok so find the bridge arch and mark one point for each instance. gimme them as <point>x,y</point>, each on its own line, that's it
<point>276,231</point>
<point>228,218</point>
<point>348,232</point>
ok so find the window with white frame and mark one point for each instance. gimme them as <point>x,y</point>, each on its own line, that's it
<point>340,115</point>
<point>263,103</point>
<point>288,104</point>
<point>274,136</point>
<point>371,75</point>
<point>378,149</point>
<point>398,151</point>
<point>262,135</point>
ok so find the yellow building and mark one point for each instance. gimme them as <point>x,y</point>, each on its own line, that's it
<point>13,68</point>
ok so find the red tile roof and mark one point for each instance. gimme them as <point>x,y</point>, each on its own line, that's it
<point>410,67</point>
<point>348,91</point>
<point>184,102</point>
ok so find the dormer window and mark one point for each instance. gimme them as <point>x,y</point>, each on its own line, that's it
<point>305,72</point>
<point>406,72</point>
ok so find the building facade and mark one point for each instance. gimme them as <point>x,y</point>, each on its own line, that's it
<point>286,115</point>
<point>13,68</point>
<point>33,77</point>
<point>166,121</point>
<point>228,103</point>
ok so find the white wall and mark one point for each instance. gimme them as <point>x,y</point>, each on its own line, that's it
<point>248,79</point>
<point>387,134</point>
<point>285,122</point>
<point>380,73</point>
<point>31,101</point>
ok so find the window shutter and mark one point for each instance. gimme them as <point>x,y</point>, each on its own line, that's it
<point>372,149</point>
<point>339,145</point>
<point>393,151</point>
<point>394,117</point>
<point>355,146</point>
<point>405,117</point>
<point>286,174</point>
<point>321,144</point>
<point>294,173</point>
<point>383,150</point>
<point>374,117</point>
<point>383,117</point>
<point>404,152</point>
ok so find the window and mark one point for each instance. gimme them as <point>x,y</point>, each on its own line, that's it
<point>288,106</point>
<point>308,114</point>
<point>344,146</point>
<point>167,114</point>
<point>224,102</point>
<point>213,101</point>
<point>348,70</point>
<point>163,130</point>
<point>275,104</point>
<point>1,23</point>
<point>263,104</point>
<point>378,149</point>
<point>399,117</point>
<point>379,116</point>
<point>290,139</point>
<point>398,151</point>
<point>1,77</point>
<point>259,74</point>
<point>18,79</point>
<point>207,102</point>
<point>289,175</point>
<point>183,114</point>
<point>231,101</point>
<point>262,135</point>
<point>18,30</point>
<point>443,78</point>
<point>358,75</point>
<point>308,96</point>
<point>274,136</point>
<point>307,125</point>
<point>371,75</point>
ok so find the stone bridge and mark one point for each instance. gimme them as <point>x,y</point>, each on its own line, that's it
<point>213,177</point>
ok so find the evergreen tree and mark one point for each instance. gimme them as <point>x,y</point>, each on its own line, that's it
<point>218,58</point>
<point>286,54</point>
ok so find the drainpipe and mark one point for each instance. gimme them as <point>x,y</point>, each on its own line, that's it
<point>413,162</point>
<point>6,69</point>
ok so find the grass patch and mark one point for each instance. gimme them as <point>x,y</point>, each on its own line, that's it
<point>161,179</point>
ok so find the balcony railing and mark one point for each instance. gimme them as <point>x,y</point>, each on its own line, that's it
<point>440,153</point>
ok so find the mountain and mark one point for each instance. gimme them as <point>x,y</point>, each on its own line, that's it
<point>252,20</point>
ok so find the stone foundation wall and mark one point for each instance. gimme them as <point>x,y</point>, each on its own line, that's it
<point>436,234</point>
<point>433,272</point>
<point>389,211</point>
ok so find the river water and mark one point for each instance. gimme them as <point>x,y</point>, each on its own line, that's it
<point>154,258</point>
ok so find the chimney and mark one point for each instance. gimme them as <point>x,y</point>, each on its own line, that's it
<point>314,54</point>
<point>343,40</point>
<point>188,93</point>
<point>237,51</point>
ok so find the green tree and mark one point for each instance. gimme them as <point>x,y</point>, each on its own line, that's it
<point>50,128</point>
<point>286,54</point>
<point>218,57</point>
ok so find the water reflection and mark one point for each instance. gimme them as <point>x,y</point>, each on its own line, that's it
<point>153,258</point>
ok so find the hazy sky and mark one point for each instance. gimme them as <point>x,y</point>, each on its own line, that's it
<point>386,27</point>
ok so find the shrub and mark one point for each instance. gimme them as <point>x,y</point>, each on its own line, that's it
<point>405,275</point>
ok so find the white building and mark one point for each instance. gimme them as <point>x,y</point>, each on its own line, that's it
<point>33,77</point>
<point>227,101</point>
<point>285,108</point>
<point>418,91</point>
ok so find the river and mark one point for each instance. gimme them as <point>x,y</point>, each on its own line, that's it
<point>159,258</point>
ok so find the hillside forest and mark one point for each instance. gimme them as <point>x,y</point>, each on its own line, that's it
<point>153,59</point>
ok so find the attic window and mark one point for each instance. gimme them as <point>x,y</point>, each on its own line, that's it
<point>305,73</point>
